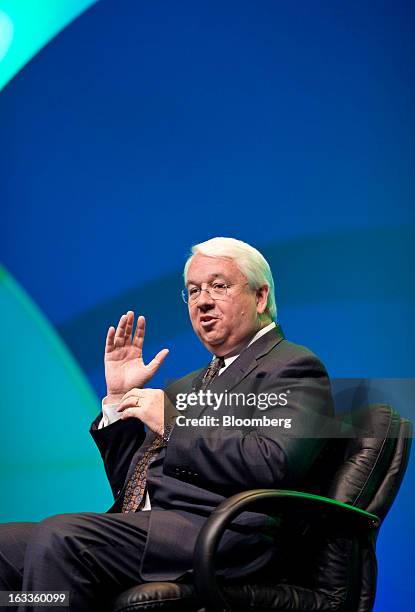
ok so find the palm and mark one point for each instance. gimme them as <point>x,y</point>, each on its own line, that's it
<point>124,365</point>
<point>125,369</point>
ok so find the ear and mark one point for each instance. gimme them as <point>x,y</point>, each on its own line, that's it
<point>262,298</point>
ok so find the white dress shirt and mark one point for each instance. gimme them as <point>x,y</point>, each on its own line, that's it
<point>110,414</point>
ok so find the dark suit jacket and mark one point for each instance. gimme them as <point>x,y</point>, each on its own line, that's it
<point>190,477</point>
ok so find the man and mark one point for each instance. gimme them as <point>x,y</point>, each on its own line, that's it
<point>167,467</point>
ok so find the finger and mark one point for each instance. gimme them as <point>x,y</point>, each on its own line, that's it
<point>134,391</point>
<point>120,331</point>
<point>130,412</point>
<point>158,360</point>
<point>126,405</point>
<point>131,395</point>
<point>140,331</point>
<point>129,326</point>
<point>131,400</point>
<point>109,342</point>
<point>131,403</point>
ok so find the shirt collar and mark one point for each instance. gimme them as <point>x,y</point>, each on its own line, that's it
<point>261,332</point>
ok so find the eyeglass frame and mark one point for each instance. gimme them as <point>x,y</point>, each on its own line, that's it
<point>185,292</point>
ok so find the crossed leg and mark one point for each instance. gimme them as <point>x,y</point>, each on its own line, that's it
<point>94,556</point>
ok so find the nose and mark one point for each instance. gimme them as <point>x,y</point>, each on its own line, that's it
<point>205,301</point>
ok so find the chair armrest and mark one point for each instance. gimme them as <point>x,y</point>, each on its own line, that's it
<point>266,501</point>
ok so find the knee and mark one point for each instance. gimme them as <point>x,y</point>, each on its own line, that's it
<point>53,533</point>
<point>13,542</point>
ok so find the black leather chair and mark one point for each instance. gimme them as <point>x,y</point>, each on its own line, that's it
<point>330,530</point>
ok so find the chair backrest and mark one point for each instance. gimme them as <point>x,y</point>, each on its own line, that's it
<point>376,444</point>
<point>362,466</point>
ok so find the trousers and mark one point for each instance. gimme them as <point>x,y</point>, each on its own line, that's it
<point>94,556</point>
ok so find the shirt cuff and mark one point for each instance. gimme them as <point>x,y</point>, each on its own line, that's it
<point>109,414</point>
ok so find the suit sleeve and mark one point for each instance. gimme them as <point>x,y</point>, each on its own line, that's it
<point>255,456</point>
<point>117,444</point>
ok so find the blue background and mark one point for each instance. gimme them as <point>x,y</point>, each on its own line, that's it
<point>144,128</point>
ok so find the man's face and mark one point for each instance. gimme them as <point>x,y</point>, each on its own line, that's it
<point>224,325</point>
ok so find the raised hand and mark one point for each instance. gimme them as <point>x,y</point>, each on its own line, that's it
<point>124,365</point>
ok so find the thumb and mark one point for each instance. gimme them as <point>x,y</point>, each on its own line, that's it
<point>158,360</point>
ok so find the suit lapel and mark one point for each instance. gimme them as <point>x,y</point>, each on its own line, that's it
<point>243,365</point>
<point>197,381</point>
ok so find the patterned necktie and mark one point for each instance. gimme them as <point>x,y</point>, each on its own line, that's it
<point>135,491</point>
<point>134,496</point>
<point>212,372</point>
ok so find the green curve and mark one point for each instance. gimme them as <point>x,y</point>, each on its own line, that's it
<point>40,337</point>
<point>28,25</point>
<point>47,458</point>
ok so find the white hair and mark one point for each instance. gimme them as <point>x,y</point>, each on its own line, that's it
<point>249,261</point>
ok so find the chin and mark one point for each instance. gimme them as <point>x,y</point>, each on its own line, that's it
<point>210,341</point>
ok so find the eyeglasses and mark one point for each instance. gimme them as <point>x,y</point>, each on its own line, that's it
<point>216,292</point>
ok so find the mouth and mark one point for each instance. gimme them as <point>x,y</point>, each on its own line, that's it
<point>207,320</point>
